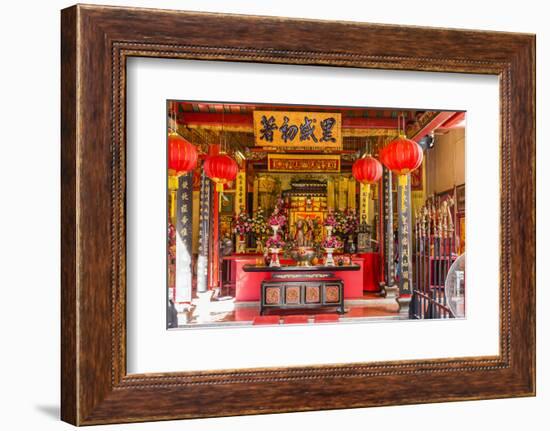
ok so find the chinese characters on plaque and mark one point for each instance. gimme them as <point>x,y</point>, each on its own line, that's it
<point>404,223</point>
<point>298,129</point>
<point>240,192</point>
<point>389,269</point>
<point>204,232</point>
<point>303,163</point>
<point>184,218</point>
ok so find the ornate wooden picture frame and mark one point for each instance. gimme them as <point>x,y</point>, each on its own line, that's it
<point>96,42</point>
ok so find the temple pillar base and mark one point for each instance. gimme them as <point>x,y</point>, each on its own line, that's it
<point>204,296</point>
<point>382,291</point>
<point>182,307</point>
<point>404,305</point>
<point>390,292</point>
<point>185,313</point>
<point>216,292</point>
<point>202,306</point>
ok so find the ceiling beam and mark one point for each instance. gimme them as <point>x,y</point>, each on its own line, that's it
<point>455,121</point>
<point>244,122</point>
<point>433,124</point>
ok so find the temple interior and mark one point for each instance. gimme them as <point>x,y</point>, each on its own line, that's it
<point>284,214</point>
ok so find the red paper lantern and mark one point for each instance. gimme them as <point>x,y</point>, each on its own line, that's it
<point>402,156</point>
<point>182,154</point>
<point>221,169</point>
<point>367,170</point>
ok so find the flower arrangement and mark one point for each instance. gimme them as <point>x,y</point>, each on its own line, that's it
<point>260,228</point>
<point>243,223</point>
<point>346,222</point>
<point>352,222</point>
<point>275,242</point>
<point>279,215</point>
<point>330,220</point>
<point>277,219</point>
<point>331,242</point>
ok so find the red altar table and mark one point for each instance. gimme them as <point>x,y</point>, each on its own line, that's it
<point>247,284</point>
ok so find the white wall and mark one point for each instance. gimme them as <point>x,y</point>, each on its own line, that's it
<point>29,229</point>
<point>445,162</point>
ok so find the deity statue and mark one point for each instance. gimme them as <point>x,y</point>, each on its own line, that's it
<point>310,232</point>
<point>305,235</point>
<point>299,236</point>
<point>303,252</point>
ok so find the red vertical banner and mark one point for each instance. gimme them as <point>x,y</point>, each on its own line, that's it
<point>213,261</point>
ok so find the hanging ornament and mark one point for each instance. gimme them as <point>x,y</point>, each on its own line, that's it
<point>367,170</point>
<point>402,156</point>
<point>182,154</point>
<point>221,169</point>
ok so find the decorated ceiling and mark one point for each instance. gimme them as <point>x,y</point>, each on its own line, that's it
<point>362,129</point>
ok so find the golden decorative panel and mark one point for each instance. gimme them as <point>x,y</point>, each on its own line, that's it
<point>332,293</point>
<point>303,163</point>
<point>312,130</point>
<point>312,294</point>
<point>273,295</point>
<point>292,295</point>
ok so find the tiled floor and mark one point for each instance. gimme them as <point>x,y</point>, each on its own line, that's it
<point>370,306</point>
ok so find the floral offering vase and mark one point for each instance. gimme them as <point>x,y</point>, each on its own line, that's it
<point>241,244</point>
<point>329,261</point>
<point>275,257</point>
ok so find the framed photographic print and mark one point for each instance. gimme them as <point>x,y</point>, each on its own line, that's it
<point>279,216</point>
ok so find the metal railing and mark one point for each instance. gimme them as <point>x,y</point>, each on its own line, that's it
<point>434,253</point>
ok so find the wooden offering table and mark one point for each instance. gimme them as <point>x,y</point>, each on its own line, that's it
<point>295,287</point>
<point>247,277</point>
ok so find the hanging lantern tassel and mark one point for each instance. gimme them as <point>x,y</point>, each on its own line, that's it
<point>402,180</point>
<point>221,169</point>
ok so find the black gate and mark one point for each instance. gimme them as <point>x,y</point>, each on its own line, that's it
<point>434,253</point>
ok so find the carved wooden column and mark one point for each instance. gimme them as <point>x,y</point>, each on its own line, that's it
<point>204,233</point>
<point>213,268</point>
<point>184,238</point>
<point>404,241</point>
<point>390,289</point>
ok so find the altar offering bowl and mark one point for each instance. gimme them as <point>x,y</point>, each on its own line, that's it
<point>303,255</point>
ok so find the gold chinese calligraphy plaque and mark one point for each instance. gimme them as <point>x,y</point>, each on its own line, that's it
<point>303,163</point>
<point>311,130</point>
